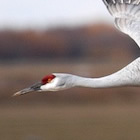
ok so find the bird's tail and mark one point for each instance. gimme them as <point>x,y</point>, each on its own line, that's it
<point>123,8</point>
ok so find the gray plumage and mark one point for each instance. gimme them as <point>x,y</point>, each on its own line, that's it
<point>127,16</point>
<point>127,19</point>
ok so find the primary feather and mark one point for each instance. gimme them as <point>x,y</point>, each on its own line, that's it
<point>127,16</point>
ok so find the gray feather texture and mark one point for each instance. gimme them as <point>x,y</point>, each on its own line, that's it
<point>127,16</point>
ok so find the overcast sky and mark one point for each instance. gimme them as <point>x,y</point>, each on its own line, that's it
<point>46,13</point>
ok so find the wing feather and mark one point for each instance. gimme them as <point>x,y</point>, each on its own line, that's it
<point>127,16</point>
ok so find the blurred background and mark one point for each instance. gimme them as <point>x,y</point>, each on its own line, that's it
<point>78,37</point>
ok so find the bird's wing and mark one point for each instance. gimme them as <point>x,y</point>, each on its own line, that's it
<point>127,16</point>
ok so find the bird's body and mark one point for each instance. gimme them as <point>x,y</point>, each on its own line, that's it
<point>127,20</point>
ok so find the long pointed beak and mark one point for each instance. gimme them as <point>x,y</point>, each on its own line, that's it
<point>35,87</point>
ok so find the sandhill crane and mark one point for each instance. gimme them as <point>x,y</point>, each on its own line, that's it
<point>127,20</point>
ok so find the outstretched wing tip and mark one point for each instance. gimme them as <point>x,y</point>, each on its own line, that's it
<point>127,16</point>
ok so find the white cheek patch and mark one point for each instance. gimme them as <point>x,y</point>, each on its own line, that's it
<point>52,86</point>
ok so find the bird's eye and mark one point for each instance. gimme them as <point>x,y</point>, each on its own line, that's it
<point>48,79</point>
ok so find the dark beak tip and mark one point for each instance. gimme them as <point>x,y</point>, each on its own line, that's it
<point>34,87</point>
<point>22,92</point>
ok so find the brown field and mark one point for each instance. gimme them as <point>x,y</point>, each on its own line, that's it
<point>75,114</point>
<point>82,122</point>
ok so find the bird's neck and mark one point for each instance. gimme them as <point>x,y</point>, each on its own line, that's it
<point>128,76</point>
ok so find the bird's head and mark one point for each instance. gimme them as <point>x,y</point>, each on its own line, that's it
<point>52,82</point>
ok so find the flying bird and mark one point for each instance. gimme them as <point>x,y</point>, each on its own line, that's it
<point>126,15</point>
